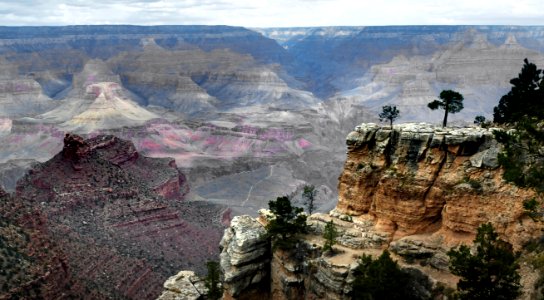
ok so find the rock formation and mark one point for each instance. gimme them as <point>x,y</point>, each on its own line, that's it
<point>105,105</point>
<point>185,285</point>
<point>117,216</point>
<point>245,256</point>
<point>419,179</point>
<point>417,190</point>
<point>20,95</point>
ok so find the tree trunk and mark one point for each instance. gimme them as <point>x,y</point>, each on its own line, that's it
<point>391,123</point>
<point>446,109</point>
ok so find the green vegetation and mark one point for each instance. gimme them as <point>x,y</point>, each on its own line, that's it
<point>308,195</point>
<point>390,113</point>
<point>522,110</point>
<point>213,280</point>
<point>525,99</point>
<point>450,101</point>
<point>381,278</point>
<point>488,274</point>
<point>330,234</point>
<point>288,221</point>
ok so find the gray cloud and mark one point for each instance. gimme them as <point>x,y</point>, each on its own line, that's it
<point>271,13</point>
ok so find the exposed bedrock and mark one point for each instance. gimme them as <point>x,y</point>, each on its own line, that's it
<point>117,216</point>
<point>418,179</point>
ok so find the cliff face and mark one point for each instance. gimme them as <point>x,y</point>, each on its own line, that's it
<point>420,179</point>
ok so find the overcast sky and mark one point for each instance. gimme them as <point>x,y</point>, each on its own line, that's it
<point>272,13</point>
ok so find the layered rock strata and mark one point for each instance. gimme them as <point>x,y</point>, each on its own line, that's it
<point>245,257</point>
<point>418,179</point>
<point>415,189</point>
<point>116,216</point>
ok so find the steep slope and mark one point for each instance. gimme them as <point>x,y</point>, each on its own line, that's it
<point>104,106</point>
<point>32,266</point>
<point>418,179</point>
<point>118,216</point>
<point>20,95</point>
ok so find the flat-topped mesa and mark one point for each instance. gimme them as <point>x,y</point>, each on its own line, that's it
<point>418,178</point>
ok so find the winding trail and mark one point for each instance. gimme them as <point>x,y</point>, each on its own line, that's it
<point>251,188</point>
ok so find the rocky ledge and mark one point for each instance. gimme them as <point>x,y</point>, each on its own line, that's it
<point>421,179</point>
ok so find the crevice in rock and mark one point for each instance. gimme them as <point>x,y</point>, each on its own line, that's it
<point>390,147</point>
<point>441,164</point>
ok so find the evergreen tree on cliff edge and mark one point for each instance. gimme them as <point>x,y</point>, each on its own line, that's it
<point>450,101</point>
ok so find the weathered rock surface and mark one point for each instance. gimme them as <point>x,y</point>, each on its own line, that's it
<point>244,256</point>
<point>302,273</point>
<point>118,217</point>
<point>185,285</point>
<point>418,179</point>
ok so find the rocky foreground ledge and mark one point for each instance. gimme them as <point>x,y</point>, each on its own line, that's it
<point>417,190</point>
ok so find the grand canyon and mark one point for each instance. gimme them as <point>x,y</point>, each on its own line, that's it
<point>130,153</point>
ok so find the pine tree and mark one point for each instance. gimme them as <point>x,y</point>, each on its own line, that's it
<point>309,194</point>
<point>450,101</point>
<point>213,280</point>
<point>488,274</point>
<point>329,234</point>
<point>380,279</point>
<point>288,221</point>
<point>525,99</point>
<point>390,113</point>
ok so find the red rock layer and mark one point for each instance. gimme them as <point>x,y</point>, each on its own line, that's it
<point>103,204</point>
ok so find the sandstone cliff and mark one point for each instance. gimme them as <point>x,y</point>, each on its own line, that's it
<point>419,179</point>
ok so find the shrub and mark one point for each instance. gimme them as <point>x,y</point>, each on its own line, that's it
<point>488,274</point>
<point>288,221</point>
<point>380,279</point>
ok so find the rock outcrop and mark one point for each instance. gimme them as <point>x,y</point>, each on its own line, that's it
<point>185,285</point>
<point>245,256</point>
<point>416,189</point>
<point>116,216</point>
<point>420,179</point>
<point>253,271</point>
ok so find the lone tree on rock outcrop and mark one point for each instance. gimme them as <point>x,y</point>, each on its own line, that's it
<point>390,113</point>
<point>288,221</point>
<point>488,274</point>
<point>450,101</point>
